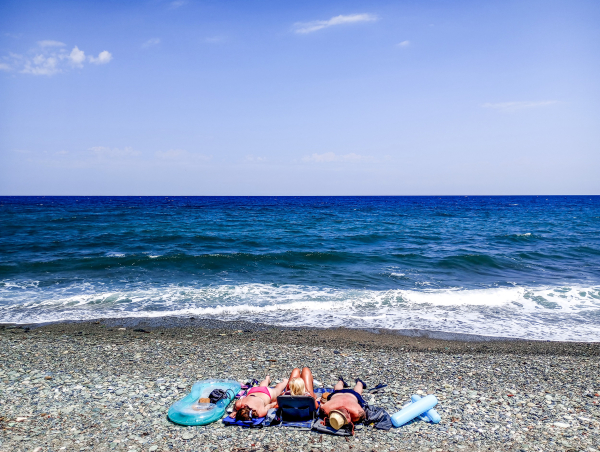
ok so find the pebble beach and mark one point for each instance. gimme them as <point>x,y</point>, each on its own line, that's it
<point>107,386</point>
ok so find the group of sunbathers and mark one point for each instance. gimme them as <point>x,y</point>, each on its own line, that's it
<point>343,406</point>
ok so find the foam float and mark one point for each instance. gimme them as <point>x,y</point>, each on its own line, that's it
<point>429,416</point>
<point>419,406</point>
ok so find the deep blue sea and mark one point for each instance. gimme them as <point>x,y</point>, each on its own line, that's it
<point>525,267</point>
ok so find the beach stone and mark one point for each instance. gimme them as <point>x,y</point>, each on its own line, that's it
<point>477,412</point>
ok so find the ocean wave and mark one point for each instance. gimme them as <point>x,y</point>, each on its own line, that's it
<point>557,313</point>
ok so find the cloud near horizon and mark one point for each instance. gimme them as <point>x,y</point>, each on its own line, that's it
<point>114,153</point>
<point>50,57</point>
<point>511,106</point>
<point>333,157</point>
<point>315,25</point>
<point>181,155</point>
<point>255,159</point>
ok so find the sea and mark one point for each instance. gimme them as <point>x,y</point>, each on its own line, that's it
<point>502,266</point>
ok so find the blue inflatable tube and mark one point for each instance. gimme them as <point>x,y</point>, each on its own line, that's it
<point>413,410</point>
<point>429,416</point>
<point>188,411</point>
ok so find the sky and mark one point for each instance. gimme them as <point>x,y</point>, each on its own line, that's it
<point>190,97</point>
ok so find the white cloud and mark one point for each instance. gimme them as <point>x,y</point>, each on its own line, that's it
<point>181,155</point>
<point>41,65</point>
<point>255,159</point>
<point>171,154</point>
<point>103,57</point>
<point>151,42</point>
<point>50,43</point>
<point>49,58</point>
<point>114,153</point>
<point>177,3</point>
<point>511,106</point>
<point>214,39</point>
<point>315,25</point>
<point>403,44</point>
<point>333,157</point>
<point>77,57</point>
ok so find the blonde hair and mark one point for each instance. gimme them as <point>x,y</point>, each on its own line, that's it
<point>297,386</point>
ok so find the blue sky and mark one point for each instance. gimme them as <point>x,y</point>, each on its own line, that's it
<point>192,97</point>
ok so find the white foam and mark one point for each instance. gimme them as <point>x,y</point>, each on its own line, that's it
<point>556,313</point>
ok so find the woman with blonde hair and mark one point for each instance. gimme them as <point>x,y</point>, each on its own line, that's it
<point>300,383</point>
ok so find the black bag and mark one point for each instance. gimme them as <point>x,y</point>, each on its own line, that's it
<point>219,394</point>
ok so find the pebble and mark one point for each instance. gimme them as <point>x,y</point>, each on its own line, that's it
<point>112,390</point>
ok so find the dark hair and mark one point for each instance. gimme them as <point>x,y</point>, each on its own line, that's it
<point>244,414</point>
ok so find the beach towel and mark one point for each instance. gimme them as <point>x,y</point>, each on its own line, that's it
<point>322,426</point>
<point>272,418</point>
<point>254,423</point>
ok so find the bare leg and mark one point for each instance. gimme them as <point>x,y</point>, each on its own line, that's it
<point>339,385</point>
<point>295,374</point>
<point>308,380</point>
<point>266,381</point>
<point>359,387</point>
<point>278,389</point>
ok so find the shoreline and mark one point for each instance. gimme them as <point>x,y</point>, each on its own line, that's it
<point>97,386</point>
<point>414,339</point>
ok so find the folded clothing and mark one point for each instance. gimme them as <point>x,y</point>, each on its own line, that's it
<point>379,417</point>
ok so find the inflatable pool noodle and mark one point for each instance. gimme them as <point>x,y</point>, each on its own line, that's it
<point>429,416</point>
<point>188,411</point>
<point>416,408</point>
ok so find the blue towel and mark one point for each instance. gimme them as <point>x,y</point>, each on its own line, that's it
<point>305,424</point>
<point>258,421</point>
<point>254,423</point>
<point>322,390</point>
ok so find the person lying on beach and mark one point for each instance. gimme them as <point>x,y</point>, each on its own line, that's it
<point>301,384</point>
<point>258,400</point>
<point>345,406</point>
